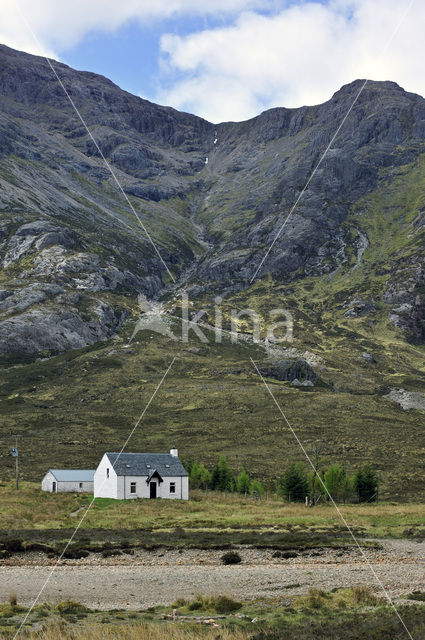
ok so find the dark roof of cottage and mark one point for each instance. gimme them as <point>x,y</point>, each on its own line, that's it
<point>142,464</point>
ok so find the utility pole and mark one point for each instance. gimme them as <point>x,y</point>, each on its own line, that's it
<point>318,461</point>
<point>15,454</point>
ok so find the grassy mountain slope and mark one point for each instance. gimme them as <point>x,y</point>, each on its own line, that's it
<point>212,402</point>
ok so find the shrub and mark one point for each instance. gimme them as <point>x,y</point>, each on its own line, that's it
<point>13,599</point>
<point>220,604</point>
<point>243,482</point>
<point>363,595</point>
<point>256,488</point>
<point>231,557</point>
<point>75,554</point>
<point>180,602</point>
<point>200,603</point>
<point>337,483</point>
<point>13,545</point>
<point>316,599</point>
<point>179,531</point>
<point>417,595</point>
<point>70,607</point>
<point>224,604</point>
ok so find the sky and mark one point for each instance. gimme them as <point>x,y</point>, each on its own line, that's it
<point>227,59</point>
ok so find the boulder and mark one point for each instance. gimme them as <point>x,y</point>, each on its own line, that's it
<point>368,357</point>
<point>296,371</point>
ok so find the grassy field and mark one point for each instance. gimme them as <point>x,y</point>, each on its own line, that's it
<point>355,614</point>
<point>206,519</point>
<point>71,408</point>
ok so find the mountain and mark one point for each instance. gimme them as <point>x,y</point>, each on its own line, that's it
<point>200,206</point>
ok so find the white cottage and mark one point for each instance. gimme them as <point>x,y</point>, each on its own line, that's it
<point>74,480</point>
<point>141,475</point>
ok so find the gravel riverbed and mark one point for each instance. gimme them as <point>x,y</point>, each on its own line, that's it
<point>149,578</point>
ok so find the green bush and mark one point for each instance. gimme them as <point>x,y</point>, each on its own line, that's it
<point>69,607</point>
<point>417,595</point>
<point>364,596</point>
<point>219,604</point>
<point>224,604</point>
<point>316,599</point>
<point>243,482</point>
<point>13,545</point>
<point>180,602</point>
<point>256,488</point>
<point>337,483</point>
<point>75,554</point>
<point>231,557</point>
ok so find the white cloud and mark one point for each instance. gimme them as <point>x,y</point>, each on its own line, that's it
<point>300,55</point>
<point>61,24</point>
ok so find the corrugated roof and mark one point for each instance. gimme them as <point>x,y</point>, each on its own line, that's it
<point>73,475</point>
<point>142,464</point>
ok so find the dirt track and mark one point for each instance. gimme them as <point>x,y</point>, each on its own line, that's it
<point>148,578</point>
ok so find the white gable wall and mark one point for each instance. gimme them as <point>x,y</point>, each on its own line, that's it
<point>47,482</point>
<point>105,487</point>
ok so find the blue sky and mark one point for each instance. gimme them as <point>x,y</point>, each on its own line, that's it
<point>130,56</point>
<point>227,59</point>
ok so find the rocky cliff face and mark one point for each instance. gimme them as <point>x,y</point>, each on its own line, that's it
<point>74,255</point>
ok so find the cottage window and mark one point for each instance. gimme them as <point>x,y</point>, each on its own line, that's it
<point>172,487</point>
<point>132,487</point>
<point>81,485</point>
<point>107,473</point>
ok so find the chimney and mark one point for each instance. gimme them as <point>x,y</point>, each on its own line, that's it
<point>174,453</point>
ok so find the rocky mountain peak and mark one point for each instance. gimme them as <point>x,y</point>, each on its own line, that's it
<point>211,197</point>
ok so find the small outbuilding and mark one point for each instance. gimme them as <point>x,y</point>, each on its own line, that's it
<point>141,475</point>
<point>73,480</point>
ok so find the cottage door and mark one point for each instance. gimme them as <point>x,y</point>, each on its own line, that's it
<point>152,487</point>
<point>54,487</point>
